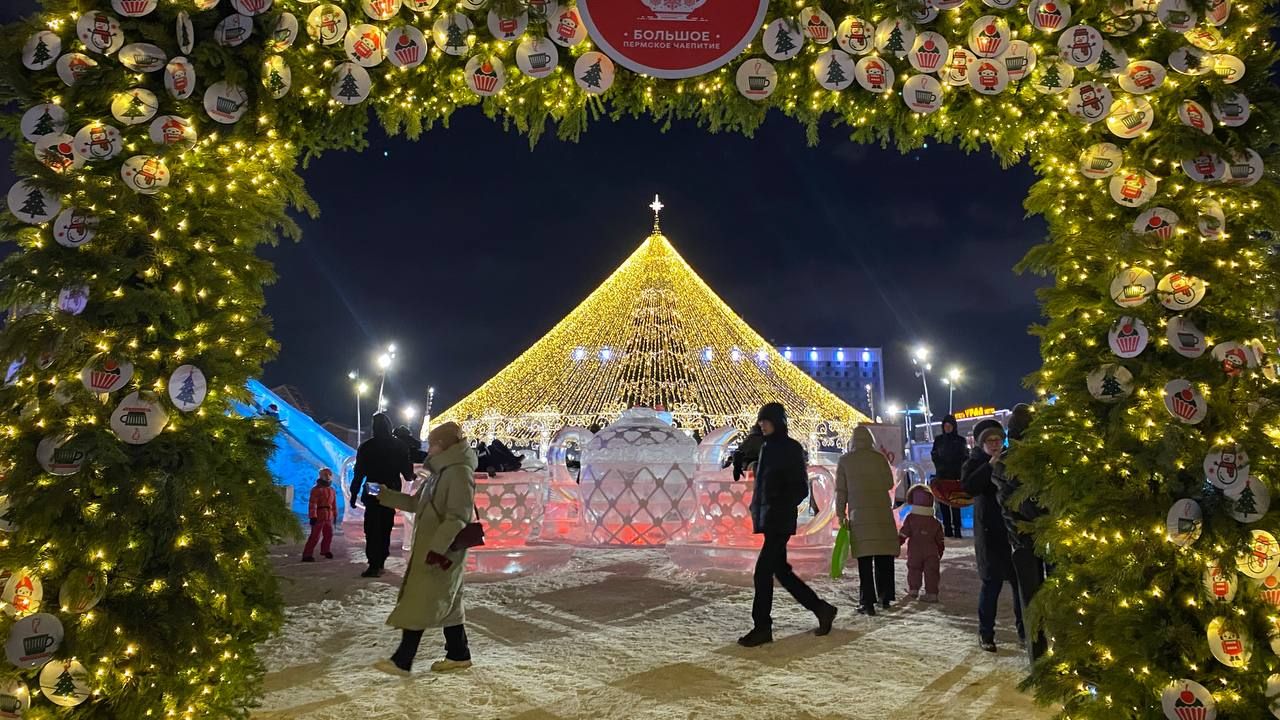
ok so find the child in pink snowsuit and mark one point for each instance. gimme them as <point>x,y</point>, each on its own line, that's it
<point>922,534</point>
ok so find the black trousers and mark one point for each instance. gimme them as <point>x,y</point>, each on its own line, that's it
<point>1031,572</point>
<point>875,577</point>
<point>378,521</point>
<point>455,646</point>
<point>950,519</point>
<point>772,563</point>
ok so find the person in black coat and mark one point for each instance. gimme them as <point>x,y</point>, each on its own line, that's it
<point>990,537</point>
<point>416,454</point>
<point>949,453</point>
<point>748,452</point>
<point>1028,569</point>
<point>382,459</point>
<point>781,484</point>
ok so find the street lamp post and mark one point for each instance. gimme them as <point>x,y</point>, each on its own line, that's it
<point>952,378</point>
<point>871,401</point>
<point>919,358</point>
<point>384,364</point>
<point>360,387</point>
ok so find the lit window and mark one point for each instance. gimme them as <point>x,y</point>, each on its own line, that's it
<point>866,356</point>
<point>840,356</point>
<point>787,353</point>
<point>813,356</point>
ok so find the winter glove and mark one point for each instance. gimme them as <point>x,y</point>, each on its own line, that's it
<point>435,558</point>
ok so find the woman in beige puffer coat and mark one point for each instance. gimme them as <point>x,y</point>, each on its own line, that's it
<point>864,483</point>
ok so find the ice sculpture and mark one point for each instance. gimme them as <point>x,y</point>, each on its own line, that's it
<point>562,517</point>
<point>637,482</point>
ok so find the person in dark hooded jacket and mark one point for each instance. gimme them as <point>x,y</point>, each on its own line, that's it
<point>990,538</point>
<point>382,459</point>
<point>781,484</point>
<point>416,454</point>
<point>1028,568</point>
<point>949,453</point>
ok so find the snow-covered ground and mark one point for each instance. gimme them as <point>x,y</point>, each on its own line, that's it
<point>625,634</point>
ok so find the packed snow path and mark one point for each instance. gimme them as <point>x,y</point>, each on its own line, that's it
<point>625,634</point>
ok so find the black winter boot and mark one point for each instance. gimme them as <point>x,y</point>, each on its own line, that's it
<point>758,636</point>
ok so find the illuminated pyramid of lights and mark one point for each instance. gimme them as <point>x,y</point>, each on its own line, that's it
<point>653,335</point>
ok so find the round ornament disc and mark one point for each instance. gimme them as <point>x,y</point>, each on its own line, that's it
<point>1101,160</point>
<point>833,69</point>
<point>1228,644</point>
<point>1132,287</point>
<point>32,205</point>
<point>507,27</point>
<point>818,25</point>
<point>1158,222</point>
<point>1221,584</point>
<point>106,375</point>
<point>1179,291</point>
<point>41,120</point>
<point>283,35</point>
<point>922,93</point>
<point>180,78</point>
<point>1142,77</point>
<point>856,36</point>
<point>875,74</point>
<point>32,642</point>
<point>145,174</point>
<point>1128,337</point>
<point>1262,556</point>
<point>1019,60</point>
<point>1193,114</point>
<point>1132,188</point>
<point>453,33</point>
<point>1253,502</point>
<point>327,24</point>
<point>1049,15</point>
<point>100,32</point>
<point>1188,700</point>
<point>989,36</point>
<point>567,29</point>
<point>783,39</point>
<point>1080,46</point>
<point>485,75</point>
<point>233,30</point>
<point>365,45</point>
<point>226,103</point>
<point>988,76</point>
<point>57,458</point>
<point>143,57</point>
<point>1185,522</point>
<point>188,388</point>
<point>351,84</point>
<point>65,682</point>
<point>135,106</point>
<point>41,50</point>
<point>97,142</point>
<point>1184,402</point>
<point>74,227</point>
<point>83,589</point>
<point>1090,101</point>
<point>406,46</point>
<point>72,67</point>
<point>1110,383</point>
<point>139,418</point>
<point>756,79</point>
<point>1185,338</point>
<point>895,36</point>
<point>956,72</point>
<point>929,52</point>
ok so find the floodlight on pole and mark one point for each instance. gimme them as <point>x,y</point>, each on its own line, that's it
<point>384,362</point>
<point>919,358</point>
<point>361,387</point>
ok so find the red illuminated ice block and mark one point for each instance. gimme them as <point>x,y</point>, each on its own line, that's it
<point>562,508</point>
<point>510,506</point>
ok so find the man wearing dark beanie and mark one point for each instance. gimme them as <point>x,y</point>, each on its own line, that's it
<point>1029,569</point>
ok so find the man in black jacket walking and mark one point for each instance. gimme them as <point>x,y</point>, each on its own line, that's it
<point>381,459</point>
<point>990,537</point>
<point>949,453</point>
<point>782,483</point>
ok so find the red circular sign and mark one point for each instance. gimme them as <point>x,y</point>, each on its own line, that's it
<point>673,38</point>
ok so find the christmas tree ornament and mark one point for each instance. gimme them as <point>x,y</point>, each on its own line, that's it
<point>65,682</point>
<point>104,375</point>
<point>1185,338</point>
<point>57,152</point>
<point>507,26</point>
<point>1100,160</point>
<point>537,57</point>
<point>1233,357</point>
<point>1122,25</point>
<point>485,75</point>
<point>83,589</point>
<point>959,59</point>
<point>1019,60</point>
<point>1128,337</point>
<point>56,458</point>
<point>452,33</point>
<point>833,69</point>
<point>1253,502</point>
<point>73,299</point>
<point>1228,644</point>
<point>818,25</point>
<point>1245,168</point>
<point>327,24</point>
<point>74,66</point>
<point>41,120</point>
<point>277,77</point>
<point>567,30</point>
<point>1205,167</point>
<point>233,30</point>
<point>96,142</point>
<point>856,36</point>
<point>226,103</point>
<point>1142,77</point>
<point>1190,60</point>
<point>1193,114</point>
<point>1147,8</point>
<point>23,593</point>
<point>895,36</point>
<point>1110,383</point>
<point>187,388</point>
<point>1132,287</point>
<point>1232,109</point>
<point>32,642</point>
<point>922,93</point>
<point>1179,291</point>
<point>381,9</point>
<point>32,205</point>
<point>41,50</point>
<point>923,13</point>
<point>1218,12</point>
<point>1205,38</point>
<point>783,38</point>
<point>1049,15</point>
<point>756,79</point>
<point>1184,402</point>
<point>1188,700</point>
<point>366,46</point>
<point>595,72</point>
<point>351,84</point>
<point>185,33</point>
<point>1228,67</point>
<point>1220,584</point>
<point>1090,101</point>
<point>1176,15</point>
<point>421,6</point>
<point>180,78</point>
<point>100,32</point>
<point>874,74</point>
<point>988,76</point>
<point>1111,61</point>
<point>407,47</point>
<point>1211,221</point>
<point>1080,46</point>
<point>1184,523</point>
<point>1158,222</point>
<point>928,52</point>
<point>284,34</point>
<point>1269,589</point>
<point>134,8</point>
<point>1130,117</point>
<point>74,227</point>
<point>145,174</point>
<point>142,57</point>
<point>135,106</point>
<point>989,36</point>
<point>139,418</point>
<point>1262,556</point>
<point>1133,188</point>
<point>15,698</point>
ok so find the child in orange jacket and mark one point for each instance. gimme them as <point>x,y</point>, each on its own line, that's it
<point>922,534</point>
<point>323,510</point>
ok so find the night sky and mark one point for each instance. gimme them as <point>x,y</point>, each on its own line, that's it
<point>465,247</point>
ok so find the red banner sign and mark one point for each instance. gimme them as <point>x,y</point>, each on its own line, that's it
<point>673,38</point>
